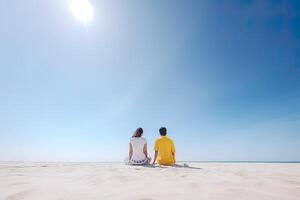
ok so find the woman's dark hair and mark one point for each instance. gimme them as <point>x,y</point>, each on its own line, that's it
<point>163,131</point>
<point>138,132</point>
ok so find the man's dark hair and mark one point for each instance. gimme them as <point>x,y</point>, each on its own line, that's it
<point>163,131</point>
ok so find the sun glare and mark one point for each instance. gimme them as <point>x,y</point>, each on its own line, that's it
<point>82,10</point>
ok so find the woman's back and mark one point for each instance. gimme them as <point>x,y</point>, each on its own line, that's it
<point>138,144</point>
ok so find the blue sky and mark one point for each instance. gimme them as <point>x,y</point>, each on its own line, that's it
<point>222,76</point>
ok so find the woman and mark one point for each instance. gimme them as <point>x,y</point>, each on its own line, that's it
<point>138,154</point>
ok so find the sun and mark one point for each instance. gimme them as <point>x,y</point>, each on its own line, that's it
<point>82,10</point>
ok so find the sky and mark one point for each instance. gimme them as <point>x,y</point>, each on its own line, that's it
<point>222,75</point>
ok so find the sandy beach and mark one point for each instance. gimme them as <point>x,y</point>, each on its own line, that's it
<point>84,181</point>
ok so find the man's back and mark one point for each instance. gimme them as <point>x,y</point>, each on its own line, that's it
<point>166,150</point>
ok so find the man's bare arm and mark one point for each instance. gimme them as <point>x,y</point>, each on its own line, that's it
<point>155,156</point>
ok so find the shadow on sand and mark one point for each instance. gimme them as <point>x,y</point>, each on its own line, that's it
<point>175,166</point>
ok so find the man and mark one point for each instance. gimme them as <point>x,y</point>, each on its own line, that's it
<point>164,149</point>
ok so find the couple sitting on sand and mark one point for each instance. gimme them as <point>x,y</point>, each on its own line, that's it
<point>163,147</point>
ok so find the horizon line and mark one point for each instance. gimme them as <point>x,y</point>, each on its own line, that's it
<point>180,161</point>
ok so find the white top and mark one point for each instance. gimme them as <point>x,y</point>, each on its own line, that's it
<point>138,148</point>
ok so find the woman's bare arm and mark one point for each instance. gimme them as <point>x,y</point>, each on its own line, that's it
<point>145,150</point>
<point>130,151</point>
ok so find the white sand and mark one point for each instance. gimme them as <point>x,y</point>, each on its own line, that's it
<point>217,181</point>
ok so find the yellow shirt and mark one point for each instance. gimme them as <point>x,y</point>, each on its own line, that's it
<point>165,148</point>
